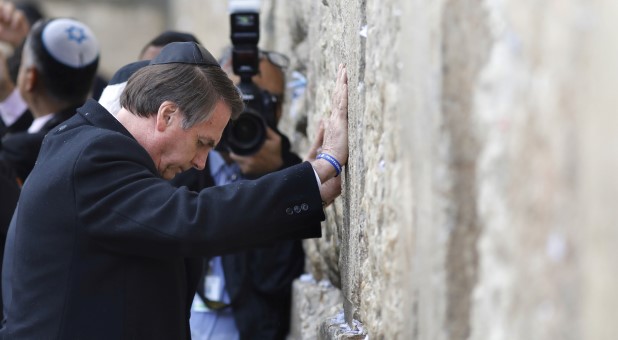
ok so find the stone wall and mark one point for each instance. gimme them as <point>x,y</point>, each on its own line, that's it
<point>478,198</point>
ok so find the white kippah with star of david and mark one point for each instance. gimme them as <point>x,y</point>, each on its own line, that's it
<point>70,42</point>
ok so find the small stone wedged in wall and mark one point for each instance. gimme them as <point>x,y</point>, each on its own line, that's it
<point>336,328</point>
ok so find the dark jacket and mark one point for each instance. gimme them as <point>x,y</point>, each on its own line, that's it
<point>20,149</point>
<point>21,124</point>
<point>9,193</point>
<point>99,244</point>
<point>259,283</point>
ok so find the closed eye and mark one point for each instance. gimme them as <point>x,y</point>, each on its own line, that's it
<point>203,143</point>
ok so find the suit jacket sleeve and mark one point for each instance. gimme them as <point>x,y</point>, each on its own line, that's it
<point>122,205</point>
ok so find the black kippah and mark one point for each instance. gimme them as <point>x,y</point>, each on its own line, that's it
<point>185,53</point>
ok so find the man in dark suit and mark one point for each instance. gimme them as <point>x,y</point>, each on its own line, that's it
<point>252,289</point>
<point>99,245</point>
<point>59,61</point>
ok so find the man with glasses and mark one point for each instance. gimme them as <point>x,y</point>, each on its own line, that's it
<point>248,294</point>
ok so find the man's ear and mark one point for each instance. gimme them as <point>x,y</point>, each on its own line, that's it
<point>31,78</point>
<point>167,115</point>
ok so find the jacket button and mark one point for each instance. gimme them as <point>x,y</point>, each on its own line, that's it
<point>289,211</point>
<point>304,206</point>
<point>297,209</point>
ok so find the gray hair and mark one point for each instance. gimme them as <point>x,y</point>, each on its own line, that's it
<point>193,88</point>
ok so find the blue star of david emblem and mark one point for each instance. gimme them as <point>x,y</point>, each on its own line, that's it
<point>77,34</point>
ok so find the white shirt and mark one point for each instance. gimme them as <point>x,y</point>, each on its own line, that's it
<point>12,108</point>
<point>38,123</point>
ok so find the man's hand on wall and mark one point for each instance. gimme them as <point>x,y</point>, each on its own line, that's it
<point>331,188</point>
<point>333,134</point>
<point>266,160</point>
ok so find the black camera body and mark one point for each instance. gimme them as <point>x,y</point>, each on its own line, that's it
<point>246,134</point>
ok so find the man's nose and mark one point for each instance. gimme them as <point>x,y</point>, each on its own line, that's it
<point>199,161</point>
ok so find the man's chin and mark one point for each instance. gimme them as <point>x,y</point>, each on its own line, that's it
<point>171,173</point>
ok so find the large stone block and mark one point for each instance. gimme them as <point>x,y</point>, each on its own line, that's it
<point>312,302</point>
<point>476,197</point>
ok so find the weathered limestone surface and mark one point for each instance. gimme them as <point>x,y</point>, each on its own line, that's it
<point>312,301</point>
<point>479,197</point>
<point>544,109</point>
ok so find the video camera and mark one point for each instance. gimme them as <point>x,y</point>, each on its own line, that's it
<point>245,135</point>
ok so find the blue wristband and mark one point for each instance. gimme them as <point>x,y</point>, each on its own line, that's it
<point>332,161</point>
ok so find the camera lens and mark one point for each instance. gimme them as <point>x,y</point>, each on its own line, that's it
<point>247,134</point>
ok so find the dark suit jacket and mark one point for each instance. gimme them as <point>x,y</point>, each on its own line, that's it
<point>259,283</point>
<point>259,280</point>
<point>21,124</point>
<point>99,243</point>
<point>9,188</point>
<point>9,193</point>
<point>20,149</point>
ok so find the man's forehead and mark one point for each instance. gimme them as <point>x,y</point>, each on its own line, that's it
<point>221,112</point>
<point>221,108</point>
<point>212,128</point>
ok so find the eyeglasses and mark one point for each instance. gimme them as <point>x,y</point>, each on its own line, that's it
<point>278,59</point>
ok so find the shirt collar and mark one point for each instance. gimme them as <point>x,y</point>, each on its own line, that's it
<point>12,108</point>
<point>38,123</point>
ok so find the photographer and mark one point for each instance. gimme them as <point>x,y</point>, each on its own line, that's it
<point>248,294</point>
<point>255,284</point>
